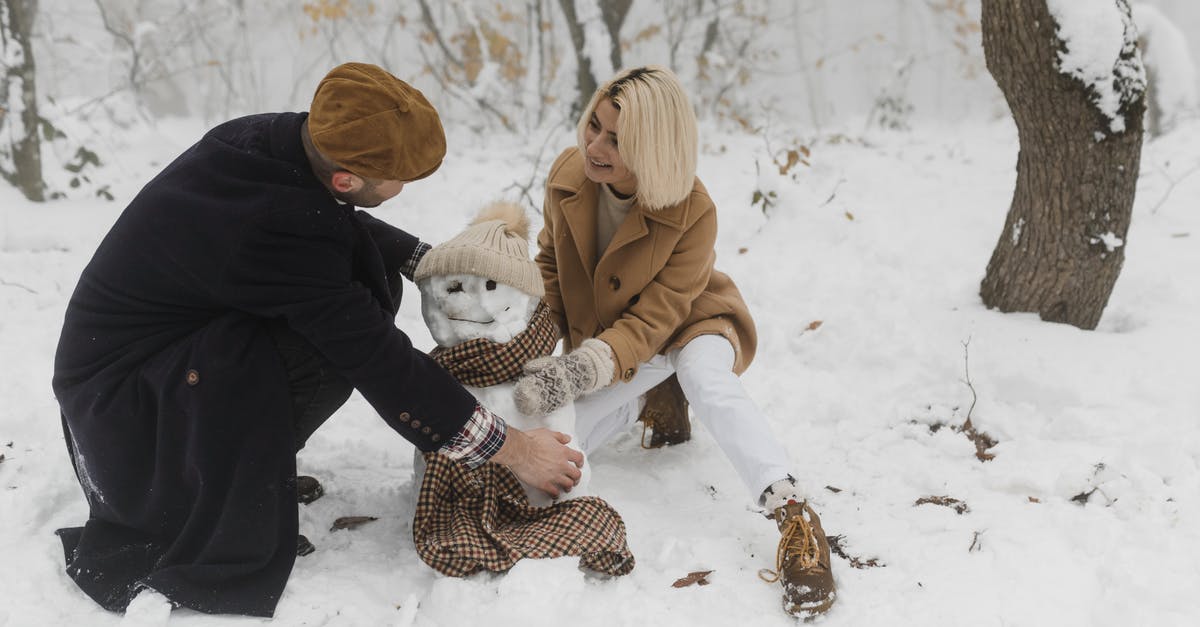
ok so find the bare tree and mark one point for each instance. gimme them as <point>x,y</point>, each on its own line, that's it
<point>613,13</point>
<point>585,80</point>
<point>612,16</point>
<point>1063,243</point>
<point>21,159</point>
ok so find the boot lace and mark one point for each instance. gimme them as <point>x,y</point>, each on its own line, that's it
<point>800,541</point>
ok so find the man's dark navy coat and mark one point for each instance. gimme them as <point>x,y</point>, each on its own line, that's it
<point>174,398</point>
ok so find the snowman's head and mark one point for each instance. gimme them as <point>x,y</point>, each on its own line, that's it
<point>461,307</point>
<point>481,283</point>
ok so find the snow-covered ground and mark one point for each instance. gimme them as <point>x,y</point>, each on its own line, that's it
<point>884,240</point>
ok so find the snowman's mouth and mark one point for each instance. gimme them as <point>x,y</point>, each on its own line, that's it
<point>470,320</point>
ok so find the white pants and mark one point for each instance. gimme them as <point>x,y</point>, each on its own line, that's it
<point>705,370</point>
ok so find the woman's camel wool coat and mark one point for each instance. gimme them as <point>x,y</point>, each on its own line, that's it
<point>654,288</point>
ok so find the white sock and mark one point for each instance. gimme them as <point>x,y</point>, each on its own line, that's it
<point>779,493</point>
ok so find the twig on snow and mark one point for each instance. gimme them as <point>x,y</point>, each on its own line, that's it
<point>981,440</point>
<point>18,285</point>
<point>1171,187</point>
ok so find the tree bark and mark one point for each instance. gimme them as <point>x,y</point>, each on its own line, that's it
<point>18,99</point>
<point>584,78</point>
<point>1063,243</point>
<point>614,13</point>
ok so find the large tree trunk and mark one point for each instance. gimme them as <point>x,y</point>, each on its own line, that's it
<point>1063,243</point>
<point>612,15</point>
<point>614,12</point>
<point>21,160</point>
<point>584,78</point>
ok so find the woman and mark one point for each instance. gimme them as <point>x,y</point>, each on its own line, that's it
<point>627,255</point>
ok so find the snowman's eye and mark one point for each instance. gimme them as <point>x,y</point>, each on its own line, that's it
<point>454,287</point>
<point>490,285</point>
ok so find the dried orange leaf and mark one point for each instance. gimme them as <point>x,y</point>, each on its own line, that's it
<point>694,577</point>
<point>814,325</point>
<point>793,158</point>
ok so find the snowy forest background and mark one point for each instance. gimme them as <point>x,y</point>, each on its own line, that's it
<point>976,467</point>
<point>788,71</point>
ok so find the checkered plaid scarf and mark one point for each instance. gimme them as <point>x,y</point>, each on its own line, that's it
<point>472,520</point>
<point>482,362</point>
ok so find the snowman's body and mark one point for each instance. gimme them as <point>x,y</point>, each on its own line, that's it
<point>461,307</point>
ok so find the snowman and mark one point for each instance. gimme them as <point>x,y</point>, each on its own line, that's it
<point>481,299</point>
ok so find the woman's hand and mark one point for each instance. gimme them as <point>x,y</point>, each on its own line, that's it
<point>541,458</point>
<point>551,382</point>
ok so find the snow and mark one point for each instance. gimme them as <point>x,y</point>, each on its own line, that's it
<point>597,42</point>
<point>1016,231</point>
<point>891,266</point>
<point>459,307</point>
<point>1167,55</point>
<point>1095,34</point>
<point>1110,240</point>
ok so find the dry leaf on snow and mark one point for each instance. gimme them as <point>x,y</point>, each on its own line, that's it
<point>351,522</point>
<point>694,577</point>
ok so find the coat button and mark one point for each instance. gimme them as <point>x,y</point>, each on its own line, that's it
<point>436,438</point>
<point>614,282</point>
<point>404,417</point>
<point>426,430</point>
<point>192,377</point>
<point>628,374</point>
<point>416,424</point>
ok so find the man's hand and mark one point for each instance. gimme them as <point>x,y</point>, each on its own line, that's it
<point>541,458</point>
<point>551,382</point>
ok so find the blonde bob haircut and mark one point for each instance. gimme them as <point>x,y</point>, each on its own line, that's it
<point>656,132</point>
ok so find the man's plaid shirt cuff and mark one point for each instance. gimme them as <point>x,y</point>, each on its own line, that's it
<point>409,268</point>
<point>478,440</point>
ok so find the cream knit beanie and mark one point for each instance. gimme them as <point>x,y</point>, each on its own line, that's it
<point>494,246</point>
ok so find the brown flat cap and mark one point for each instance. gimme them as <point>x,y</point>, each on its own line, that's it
<point>375,125</point>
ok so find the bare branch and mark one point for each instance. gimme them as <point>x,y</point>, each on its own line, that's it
<point>981,440</point>
<point>135,65</point>
<point>431,25</point>
<point>526,188</point>
<point>833,193</point>
<point>18,285</point>
<point>1171,187</point>
<point>142,81</point>
<point>453,92</point>
<point>967,374</point>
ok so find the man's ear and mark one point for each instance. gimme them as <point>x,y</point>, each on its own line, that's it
<point>346,182</point>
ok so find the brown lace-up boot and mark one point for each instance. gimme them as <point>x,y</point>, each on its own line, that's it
<point>802,562</point>
<point>666,415</point>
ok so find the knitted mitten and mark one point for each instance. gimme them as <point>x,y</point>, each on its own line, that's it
<point>551,382</point>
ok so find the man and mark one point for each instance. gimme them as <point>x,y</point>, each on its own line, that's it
<point>228,313</point>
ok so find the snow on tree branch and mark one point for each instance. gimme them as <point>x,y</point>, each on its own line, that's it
<point>596,40</point>
<point>1100,50</point>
